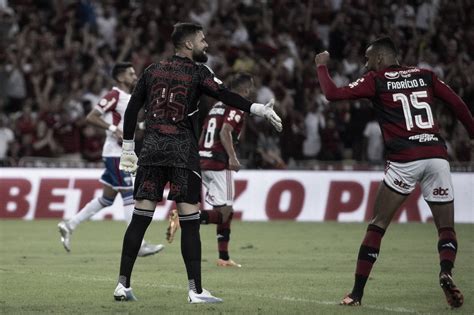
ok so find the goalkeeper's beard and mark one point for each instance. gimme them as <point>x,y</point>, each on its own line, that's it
<point>199,56</point>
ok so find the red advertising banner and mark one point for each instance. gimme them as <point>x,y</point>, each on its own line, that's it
<point>260,196</point>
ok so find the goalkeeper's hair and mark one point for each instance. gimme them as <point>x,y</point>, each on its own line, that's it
<point>182,31</point>
<point>239,80</point>
<point>120,68</point>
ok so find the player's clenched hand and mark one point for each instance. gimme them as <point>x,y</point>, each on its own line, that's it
<point>234,164</point>
<point>268,113</point>
<point>321,58</point>
<point>128,159</point>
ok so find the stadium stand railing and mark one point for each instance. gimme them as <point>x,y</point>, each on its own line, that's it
<point>40,162</point>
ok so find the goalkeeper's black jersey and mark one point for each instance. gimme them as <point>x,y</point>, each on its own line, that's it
<point>170,91</point>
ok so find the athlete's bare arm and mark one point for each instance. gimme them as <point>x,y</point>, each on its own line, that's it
<point>361,88</point>
<point>226,139</point>
<point>95,118</point>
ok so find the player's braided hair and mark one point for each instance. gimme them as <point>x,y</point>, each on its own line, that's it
<point>182,30</point>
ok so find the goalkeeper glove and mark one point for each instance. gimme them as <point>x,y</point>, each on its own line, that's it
<point>128,159</point>
<point>268,113</point>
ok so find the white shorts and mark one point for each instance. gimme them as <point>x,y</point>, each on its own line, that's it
<point>433,175</point>
<point>220,187</point>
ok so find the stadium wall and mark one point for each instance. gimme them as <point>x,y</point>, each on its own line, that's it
<point>345,196</point>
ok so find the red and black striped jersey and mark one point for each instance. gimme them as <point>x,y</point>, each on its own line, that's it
<point>403,101</point>
<point>212,152</point>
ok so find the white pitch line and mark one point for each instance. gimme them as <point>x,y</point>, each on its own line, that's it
<point>263,296</point>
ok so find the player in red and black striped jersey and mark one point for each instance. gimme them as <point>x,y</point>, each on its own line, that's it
<point>220,131</point>
<point>222,128</point>
<point>169,91</point>
<point>402,98</point>
<point>213,150</point>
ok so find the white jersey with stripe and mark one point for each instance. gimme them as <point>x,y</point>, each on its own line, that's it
<point>112,107</point>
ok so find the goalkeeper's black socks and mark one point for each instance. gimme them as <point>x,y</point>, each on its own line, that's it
<point>368,253</point>
<point>131,243</point>
<point>191,249</point>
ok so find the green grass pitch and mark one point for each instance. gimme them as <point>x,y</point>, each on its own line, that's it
<point>288,268</point>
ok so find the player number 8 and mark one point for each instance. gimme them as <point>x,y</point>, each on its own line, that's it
<point>210,130</point>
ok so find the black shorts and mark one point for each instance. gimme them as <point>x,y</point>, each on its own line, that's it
<point>150,182</point>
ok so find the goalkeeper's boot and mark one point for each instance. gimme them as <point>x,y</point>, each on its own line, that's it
<point>204,297</point>
<point>173,225</point>
<point>65,232</point>
<point>453,294</point>
<point>227,263</point>
<point>349,300</point>
<point>149,249</point>
<point>122,293</point>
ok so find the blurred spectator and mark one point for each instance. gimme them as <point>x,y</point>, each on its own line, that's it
<point>426,14</point>
<point>240,35</point>
<point>314,122</point>
<point>332,146</point>
<point>8,24</point>
<point>264,93</point>
<point>91,144</point>
<point>404,14</point>
<point>203,12</point>
<point>292,136</point>
<point>429,60</point>
<point>106,24</point>
<point>16,83</point>
<point>373,143</point>
<point>43,144</point>
<point>93,95</point>
<point>360,113</point>
<point>339,78</point>
<point>6,137</point>
<point>68,134</point>
<point>269,152</point>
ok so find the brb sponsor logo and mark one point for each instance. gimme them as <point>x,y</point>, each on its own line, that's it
<point>441,192</point>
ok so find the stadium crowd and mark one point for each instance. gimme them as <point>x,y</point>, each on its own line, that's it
<point>57,56</point>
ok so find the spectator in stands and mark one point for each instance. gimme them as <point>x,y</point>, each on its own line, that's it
<point>373,142</point>
<point>268,149</point>
<point>292,136</point>
<point>43,143</point>
<point>314,122</point>
<point>6,137</point>
<point>91,144</point>
<point>332,145</point>
<point>16,83</point>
